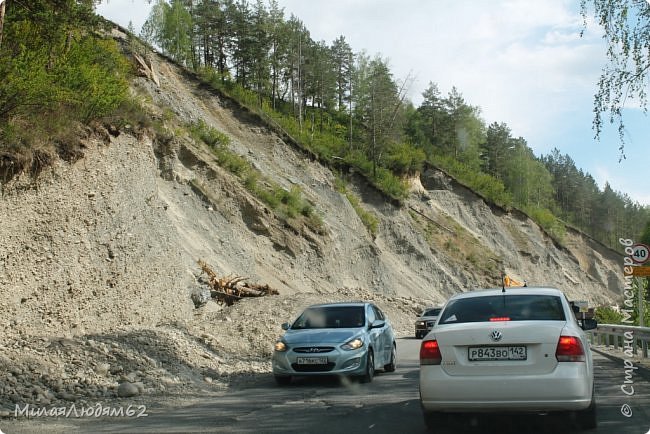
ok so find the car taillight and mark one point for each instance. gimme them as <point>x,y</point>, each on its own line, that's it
<point>500,318</point>
<point>430,353</point>
<point>569,349</point>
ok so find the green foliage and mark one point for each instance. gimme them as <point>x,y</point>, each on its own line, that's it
<point>644,286</point>
<point>287,204</point>
<point>347,109</point>
<point>605,214</point>
<point>368,218</point>
<point>403,158</point>
<point>625,24</point>
<point>56,72</point>
<point>645,235</point>
<point>608,315</point>
<point>210,136</point>
<point>325,144</point>
<point>219,142</point>
<point>490,188</point>
<point>92,76</point>
<point>545,218</point>
<point>169,26</point>
<point>382,178</point>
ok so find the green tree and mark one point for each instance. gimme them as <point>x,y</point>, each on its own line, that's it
<point>170,27</point>
<point>56,72</point>
<point>260,46</point>
<point>645,235</point>
<point>433,114</point>
<point>343,67</point>
<point>462,130</point>
<point>626,24</point>
<point>178,31</point>
<point>377,104</point>
<point>497,149</point>
<point>279,46</point>
<point>320,83</point>
<point>608,315</point>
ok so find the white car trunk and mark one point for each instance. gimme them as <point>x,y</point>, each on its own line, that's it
<point>528,347</point>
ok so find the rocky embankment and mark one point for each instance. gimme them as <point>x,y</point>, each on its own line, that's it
<point>98,258</point>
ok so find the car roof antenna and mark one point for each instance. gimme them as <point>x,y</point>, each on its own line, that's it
<point>503,282</point>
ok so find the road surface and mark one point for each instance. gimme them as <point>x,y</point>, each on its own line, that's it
<point>387,405</point>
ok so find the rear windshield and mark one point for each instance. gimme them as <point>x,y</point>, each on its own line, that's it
<point>432,312</point>
<point>331,317</point>
<point>505,307</point>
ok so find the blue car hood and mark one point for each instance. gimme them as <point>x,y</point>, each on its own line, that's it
<point>319,336</point>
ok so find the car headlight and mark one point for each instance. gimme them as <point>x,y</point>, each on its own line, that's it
<point>354,344</point>
<point>280,346</point>
<point>419,323</point>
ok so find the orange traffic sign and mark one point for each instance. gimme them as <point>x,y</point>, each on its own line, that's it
<point>641,271</point>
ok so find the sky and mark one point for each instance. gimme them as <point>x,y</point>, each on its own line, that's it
<point>522,62</point>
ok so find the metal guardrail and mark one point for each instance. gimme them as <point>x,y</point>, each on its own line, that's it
<point>619,336</point>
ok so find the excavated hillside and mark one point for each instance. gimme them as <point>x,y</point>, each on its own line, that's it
<point>98,260</point>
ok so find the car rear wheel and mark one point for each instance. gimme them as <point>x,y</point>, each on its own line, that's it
<point>435,421</point>
<point>370,368</point>
<point>282,380</point>
<point>586,419</point>
<point>390,367</point>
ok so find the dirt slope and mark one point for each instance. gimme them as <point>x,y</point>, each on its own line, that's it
<point>98,258</point>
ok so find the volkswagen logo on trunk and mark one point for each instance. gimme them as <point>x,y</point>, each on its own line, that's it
<point>496,335</point>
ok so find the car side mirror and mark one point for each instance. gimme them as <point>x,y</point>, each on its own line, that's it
<point>285,326</point>
<point>589,324</point>
<point>377,324</point>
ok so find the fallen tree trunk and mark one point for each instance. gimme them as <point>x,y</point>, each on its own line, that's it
<point>227,290</point>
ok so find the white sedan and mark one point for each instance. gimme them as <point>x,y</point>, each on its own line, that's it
<point>507,350</point>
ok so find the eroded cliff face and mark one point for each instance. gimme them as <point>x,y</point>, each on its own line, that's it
<point>98,258</point>
<point>113,239</point>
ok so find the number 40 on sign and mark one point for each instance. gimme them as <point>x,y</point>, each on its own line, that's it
<point>640,253</point>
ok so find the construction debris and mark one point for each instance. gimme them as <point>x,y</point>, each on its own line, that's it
<point>227,290</point>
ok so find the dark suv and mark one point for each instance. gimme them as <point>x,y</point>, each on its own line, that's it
<point>425,322</point>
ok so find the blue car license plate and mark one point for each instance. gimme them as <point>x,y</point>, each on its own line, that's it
<point>311,360</point>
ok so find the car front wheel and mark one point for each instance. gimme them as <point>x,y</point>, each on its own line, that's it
<point>370,368</point>
<point>390,367</point>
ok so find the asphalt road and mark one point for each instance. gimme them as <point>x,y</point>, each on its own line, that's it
<point>387,405</point>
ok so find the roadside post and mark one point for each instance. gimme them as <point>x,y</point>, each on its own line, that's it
<point>584,308</point>
<point>641,255</point>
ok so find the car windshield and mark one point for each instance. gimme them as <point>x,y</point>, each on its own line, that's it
<point>432,312</point>
<point>505,307</point>
<point>331,317</point>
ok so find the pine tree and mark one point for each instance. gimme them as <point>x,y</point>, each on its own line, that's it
<point>497,149</point>
<point>433,114</point>
<point>278,40</point>
<point>341,54</point>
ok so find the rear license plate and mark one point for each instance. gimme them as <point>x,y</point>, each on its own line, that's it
<point>311,360</point>
<point>481,354</point>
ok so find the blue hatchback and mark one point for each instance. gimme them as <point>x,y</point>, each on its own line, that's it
<point>351,339</point>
